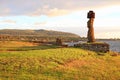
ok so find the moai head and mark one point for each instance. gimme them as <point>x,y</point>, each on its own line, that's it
<point>91,14</point>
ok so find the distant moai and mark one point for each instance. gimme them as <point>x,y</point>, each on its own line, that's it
<point>58,41</point>
<point>90,34</point>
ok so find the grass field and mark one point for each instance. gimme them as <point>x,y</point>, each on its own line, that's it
<point>51,63</point>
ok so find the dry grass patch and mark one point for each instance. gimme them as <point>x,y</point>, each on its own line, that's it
<point>6,44</point>
<point>75,63</point>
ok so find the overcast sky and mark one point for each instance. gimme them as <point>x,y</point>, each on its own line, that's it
<point>62,15</point>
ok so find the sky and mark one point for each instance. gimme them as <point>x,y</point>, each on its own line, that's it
<point>62,15</point>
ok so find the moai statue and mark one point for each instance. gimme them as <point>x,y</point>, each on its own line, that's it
<point>58,41</point>
<point>90,34</point>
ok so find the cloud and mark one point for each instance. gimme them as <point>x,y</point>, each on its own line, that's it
<point>50,7</point>
<point>57,12</point>
<point>8,21</point>
<point>50,12</point>
<point>40,23</point>
<point>108,35</point>
<point>4,11</point>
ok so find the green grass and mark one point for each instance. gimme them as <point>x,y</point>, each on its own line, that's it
<point>58,64</point>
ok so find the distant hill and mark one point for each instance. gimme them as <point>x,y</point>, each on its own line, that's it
<point>36,34</point>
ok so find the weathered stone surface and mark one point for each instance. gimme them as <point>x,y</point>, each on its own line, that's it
<point>98,47</point>
<point>90,34</point>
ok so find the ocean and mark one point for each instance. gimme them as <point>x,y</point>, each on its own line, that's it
<point>114,44</point>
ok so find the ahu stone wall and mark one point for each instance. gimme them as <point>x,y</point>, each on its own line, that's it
<point>98,47</point>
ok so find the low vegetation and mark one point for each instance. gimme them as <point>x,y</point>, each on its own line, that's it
<point>52,63</point>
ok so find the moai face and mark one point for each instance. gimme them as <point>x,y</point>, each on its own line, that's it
<point>91,14</point>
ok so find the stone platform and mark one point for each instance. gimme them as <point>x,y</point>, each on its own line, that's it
<point>98,47</point>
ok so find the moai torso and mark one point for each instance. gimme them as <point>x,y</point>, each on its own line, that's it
<point>90,35</point>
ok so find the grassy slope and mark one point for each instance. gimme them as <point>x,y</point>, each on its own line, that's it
<point>58,64</point>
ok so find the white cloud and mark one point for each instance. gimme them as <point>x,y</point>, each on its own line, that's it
<point>40,23</point>
<point>108,35</point>
<point>50,12</point>
<point>8,21</point>
<point>57,12</point>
